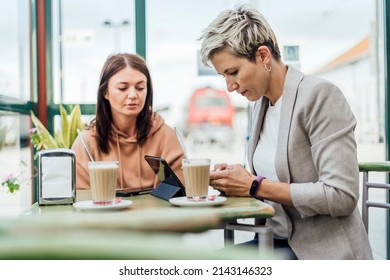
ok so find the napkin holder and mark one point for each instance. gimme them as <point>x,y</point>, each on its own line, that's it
<point>56,177</point>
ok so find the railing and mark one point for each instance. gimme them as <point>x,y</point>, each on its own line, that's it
<point>365,168</point>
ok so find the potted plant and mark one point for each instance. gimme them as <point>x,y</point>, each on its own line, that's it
<point>42,139</point>
<point>63,138</point>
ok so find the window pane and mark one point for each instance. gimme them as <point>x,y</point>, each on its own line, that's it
<point>15,162</point>
<point>15,49</point>
<point>83,38</point>
<point>172,54</point>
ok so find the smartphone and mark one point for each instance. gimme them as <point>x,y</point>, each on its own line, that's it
<point>133,193</point>
<point>163,171</point>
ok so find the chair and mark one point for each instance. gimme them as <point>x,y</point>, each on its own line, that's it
<point>264,234</point>
<point>366,168</point>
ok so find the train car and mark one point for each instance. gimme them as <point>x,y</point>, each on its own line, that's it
<point>210,117</point>
<point>210,106</point>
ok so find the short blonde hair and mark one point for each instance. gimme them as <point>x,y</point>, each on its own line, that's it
<point>240,31</point>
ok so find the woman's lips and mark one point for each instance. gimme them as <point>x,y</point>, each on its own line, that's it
<point>132,105</point>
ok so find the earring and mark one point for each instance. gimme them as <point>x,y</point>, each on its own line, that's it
<point>267,69</point>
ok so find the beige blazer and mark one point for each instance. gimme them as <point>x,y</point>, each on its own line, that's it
<point>316,154</point>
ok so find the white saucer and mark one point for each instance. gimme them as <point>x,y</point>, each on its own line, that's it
<point>183,201</point>
<point>89,206</point>
<point>213,191</point>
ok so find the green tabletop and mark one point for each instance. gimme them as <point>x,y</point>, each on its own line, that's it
<point>147,213</point>
<point>151,228</point>
<point>93,245</point>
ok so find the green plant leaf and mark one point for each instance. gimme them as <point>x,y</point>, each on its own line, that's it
<point>47,139</point>
<point>60,140</point>
<point>64,135</point>
<point>75,123</point>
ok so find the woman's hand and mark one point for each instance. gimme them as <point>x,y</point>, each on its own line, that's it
<point>233,180</point>
<point>220,166</point>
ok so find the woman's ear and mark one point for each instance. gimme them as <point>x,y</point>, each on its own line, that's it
<point>263,54</point>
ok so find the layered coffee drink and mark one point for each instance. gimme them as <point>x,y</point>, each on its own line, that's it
<point>103,178</point>
<point>196,178</point>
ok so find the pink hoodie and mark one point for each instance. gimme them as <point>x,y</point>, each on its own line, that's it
<point>134,172</point>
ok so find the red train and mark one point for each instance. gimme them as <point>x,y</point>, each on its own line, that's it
<point>210,106</point>
<point>210,117</point>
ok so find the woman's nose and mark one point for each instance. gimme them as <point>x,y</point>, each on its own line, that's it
<point>231,85</point>
<point>131,94</point>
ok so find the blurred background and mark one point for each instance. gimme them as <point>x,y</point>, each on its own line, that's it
<point>340,40</point>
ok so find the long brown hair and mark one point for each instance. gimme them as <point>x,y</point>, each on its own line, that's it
<point>103,120</point>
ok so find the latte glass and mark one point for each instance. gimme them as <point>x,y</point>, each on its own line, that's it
<point>103,177</point>
<point>196,178</point>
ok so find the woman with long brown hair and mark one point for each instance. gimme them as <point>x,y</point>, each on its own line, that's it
<point>126,128</point>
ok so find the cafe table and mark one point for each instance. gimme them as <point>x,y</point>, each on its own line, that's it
<point>142,220</point>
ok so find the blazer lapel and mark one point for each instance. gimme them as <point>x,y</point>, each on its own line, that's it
<point>290,91</point>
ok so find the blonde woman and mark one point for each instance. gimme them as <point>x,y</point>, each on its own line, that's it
<point>302,150</point>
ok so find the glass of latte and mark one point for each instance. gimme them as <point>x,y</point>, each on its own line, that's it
<point>196,178</point>
<point>103,178</point>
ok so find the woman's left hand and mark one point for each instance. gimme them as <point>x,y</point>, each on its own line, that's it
<point>233,180</point>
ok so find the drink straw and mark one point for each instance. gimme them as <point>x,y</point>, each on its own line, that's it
<point>85,145</point>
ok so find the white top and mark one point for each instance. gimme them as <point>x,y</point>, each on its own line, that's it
<point>264,164</point>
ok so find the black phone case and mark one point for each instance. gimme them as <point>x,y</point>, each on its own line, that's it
<point>167,191</point>
<point>170,186</point>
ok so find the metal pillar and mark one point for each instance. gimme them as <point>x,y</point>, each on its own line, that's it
<point>386,18</point>
<point>140,28</point>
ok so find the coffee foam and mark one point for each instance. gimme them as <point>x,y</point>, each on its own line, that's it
<point>103,166</point>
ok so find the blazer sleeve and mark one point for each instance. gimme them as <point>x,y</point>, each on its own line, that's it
<point>329,124</point>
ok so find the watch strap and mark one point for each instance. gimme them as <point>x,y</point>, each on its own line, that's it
<point>254,189</point>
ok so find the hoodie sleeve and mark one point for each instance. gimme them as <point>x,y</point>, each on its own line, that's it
<point>82,174</point>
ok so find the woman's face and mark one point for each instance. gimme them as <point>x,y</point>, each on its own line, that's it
<point>243,76</point>
<point>126,92</point>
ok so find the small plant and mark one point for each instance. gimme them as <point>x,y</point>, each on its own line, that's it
<point>63,138</point>
<point>41,139</point>
<point>11,182</point>
<point>36,139</point>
